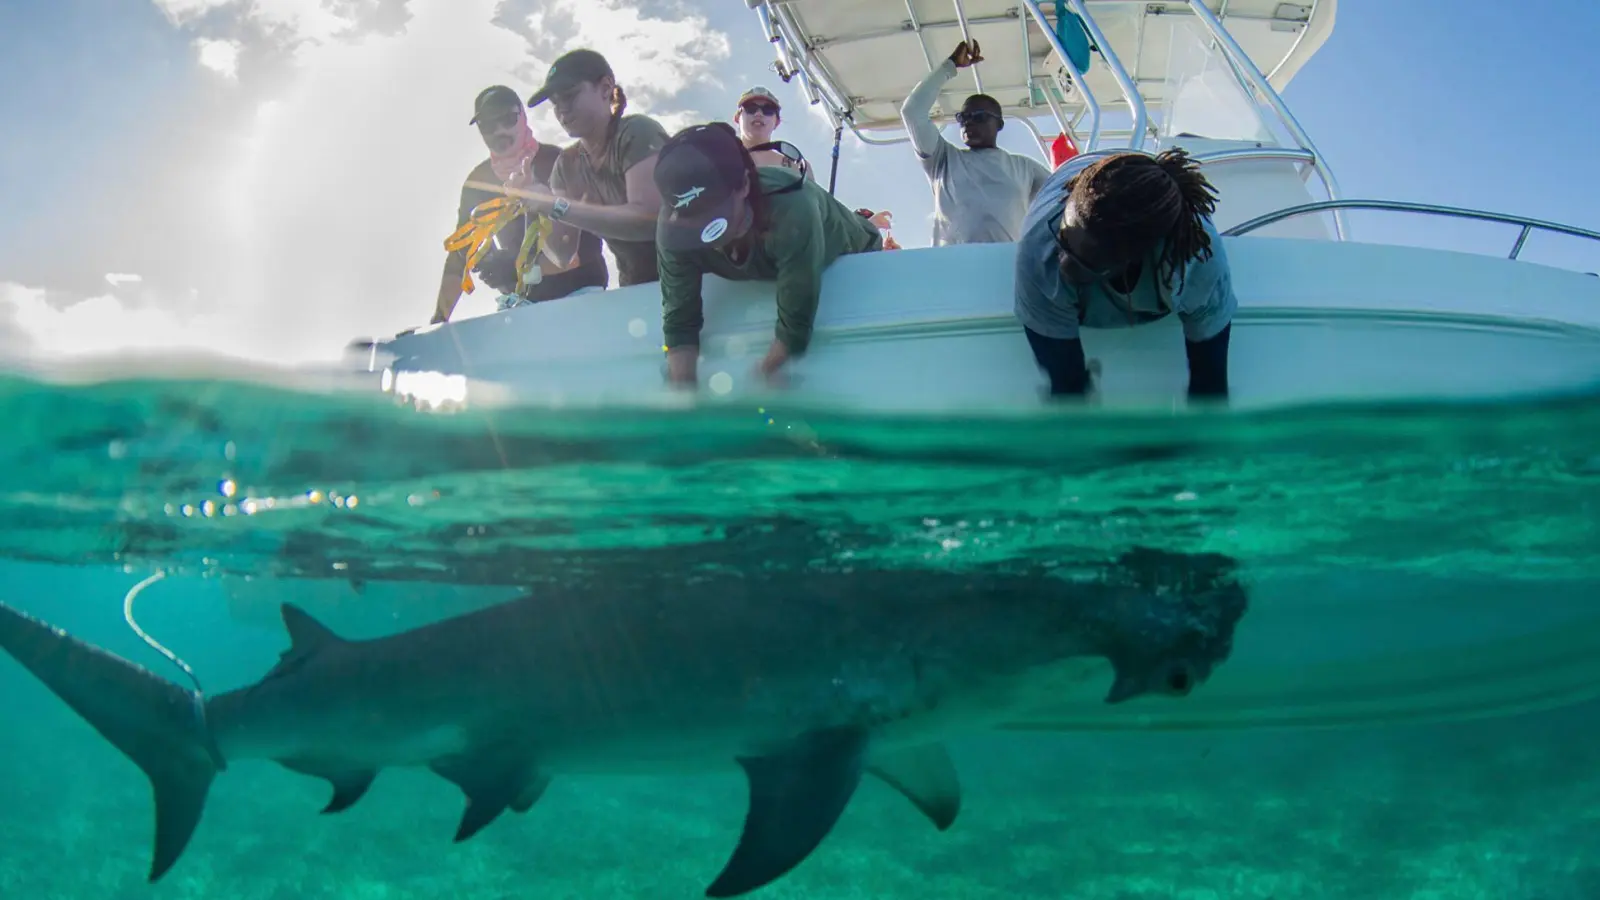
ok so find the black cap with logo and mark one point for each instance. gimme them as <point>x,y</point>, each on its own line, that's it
<point>570,70</point>
<point>492,100</point>
<point>698,171</point>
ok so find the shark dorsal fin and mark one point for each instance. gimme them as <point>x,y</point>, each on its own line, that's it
<point>306,635</point>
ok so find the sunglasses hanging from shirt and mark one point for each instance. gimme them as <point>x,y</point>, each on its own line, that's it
<point>788,151</point>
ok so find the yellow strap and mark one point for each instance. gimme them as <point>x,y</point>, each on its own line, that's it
<point>485,222</point>
<point>528,255</point>
<point>480,228</point>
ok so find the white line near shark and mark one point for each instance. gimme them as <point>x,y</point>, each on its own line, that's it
<point>806,681</point>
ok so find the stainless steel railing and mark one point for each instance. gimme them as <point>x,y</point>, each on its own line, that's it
<point>1528,225</point>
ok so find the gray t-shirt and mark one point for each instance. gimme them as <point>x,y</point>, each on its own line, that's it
<point>605,182</point>
<point>1048,305</point>
<point>979,196</point>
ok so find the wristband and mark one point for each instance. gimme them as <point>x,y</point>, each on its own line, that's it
<point>559,209</point>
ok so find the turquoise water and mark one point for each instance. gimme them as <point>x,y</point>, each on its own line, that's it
<point>1409,710</point>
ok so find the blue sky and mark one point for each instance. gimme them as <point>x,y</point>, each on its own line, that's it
<point>279,174</point>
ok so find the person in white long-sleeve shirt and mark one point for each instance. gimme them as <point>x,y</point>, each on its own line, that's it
<point>980,192</point>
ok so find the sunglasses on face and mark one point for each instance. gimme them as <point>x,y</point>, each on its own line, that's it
<point>497,122</point>
<point>766,109</point>
<point>975,117</point>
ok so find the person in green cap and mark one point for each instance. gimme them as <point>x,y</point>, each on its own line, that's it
<point>602,183</point>
<point>721,213</point>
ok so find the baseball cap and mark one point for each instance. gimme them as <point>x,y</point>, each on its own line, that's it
<point>759,93</point>
<point>493,99</point>
<point>572,69</point>
<point>697,172</point>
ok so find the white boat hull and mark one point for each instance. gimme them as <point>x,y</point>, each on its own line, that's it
<point>932,330</point>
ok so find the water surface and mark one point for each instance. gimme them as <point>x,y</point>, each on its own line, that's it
<point>1407,714</point>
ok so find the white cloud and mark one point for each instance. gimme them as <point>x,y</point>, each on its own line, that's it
<point>181,11</point>
<point>321,216</point>
<point>308,20</point>
<point>117,279</point>
<point>221,57</point>
<point>34,324</point>
<point>291,22</point>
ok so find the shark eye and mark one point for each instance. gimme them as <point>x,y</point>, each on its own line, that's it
<point>1179,680</point>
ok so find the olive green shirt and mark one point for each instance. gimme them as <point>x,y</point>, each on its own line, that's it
<point>577,176</point>
<point>807,229</point>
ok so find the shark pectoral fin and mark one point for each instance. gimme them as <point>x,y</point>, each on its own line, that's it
<point>348,786</point>
<point>154,722</point>
<point>347,789</point>
<point>491,784</point>
<point>796,796</point>
<point>926,776</point>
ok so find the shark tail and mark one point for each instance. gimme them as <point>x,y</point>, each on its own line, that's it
<point>156,723</point>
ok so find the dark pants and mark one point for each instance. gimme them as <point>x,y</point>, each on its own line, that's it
<point>1062,360</point>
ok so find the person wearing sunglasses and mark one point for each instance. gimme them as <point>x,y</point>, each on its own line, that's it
<point>1119,240</point>
<point>722,214</point>
<point>980,192</point>
<point>516,157</point>
<point>757,116</point>
<point>601,184</point>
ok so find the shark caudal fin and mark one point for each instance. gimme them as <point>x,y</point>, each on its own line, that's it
<point>156,723</point>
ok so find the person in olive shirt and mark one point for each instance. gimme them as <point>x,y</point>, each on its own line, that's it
<point>722,214</point>
<point>601,184</point>
<point>515,156</point>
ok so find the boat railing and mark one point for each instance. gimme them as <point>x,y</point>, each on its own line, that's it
<point>1253,78</point>
<point>1528,225</point>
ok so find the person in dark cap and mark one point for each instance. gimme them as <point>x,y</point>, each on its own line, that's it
<point>602,184</point>
<point>722,214</point>
<point>516,158</point>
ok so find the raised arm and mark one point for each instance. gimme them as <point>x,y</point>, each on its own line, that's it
<point>914,112</point>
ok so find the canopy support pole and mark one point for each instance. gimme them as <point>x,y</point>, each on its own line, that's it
<point>833,170</point>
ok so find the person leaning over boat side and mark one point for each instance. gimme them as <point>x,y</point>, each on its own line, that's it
<point>601,184</point>
<point>980,193</point>
<point>758,114</point>
<point>723,214</point>
<point>1117,241</point>
<point>516,158</point>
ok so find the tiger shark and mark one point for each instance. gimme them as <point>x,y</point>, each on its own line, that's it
<point>808,682</point>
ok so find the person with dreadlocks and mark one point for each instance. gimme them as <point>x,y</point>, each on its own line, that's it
<point>1120,240</point>
<point>724,215</point>
<point>601,184</point>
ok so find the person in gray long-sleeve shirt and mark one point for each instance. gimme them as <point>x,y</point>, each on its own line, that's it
<point>982,192</point>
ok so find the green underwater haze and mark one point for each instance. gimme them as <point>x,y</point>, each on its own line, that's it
<point>1409,711</point>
